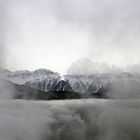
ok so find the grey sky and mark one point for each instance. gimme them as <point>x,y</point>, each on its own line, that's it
<point>53,34</point>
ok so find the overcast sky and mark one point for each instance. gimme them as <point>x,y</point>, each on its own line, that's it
<point>54,33</point>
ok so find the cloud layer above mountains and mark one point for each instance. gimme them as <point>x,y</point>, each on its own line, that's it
<point>53,34</point>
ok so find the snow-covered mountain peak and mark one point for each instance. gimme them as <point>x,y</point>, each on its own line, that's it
<point>42,72</point>
<point>87,66</point>
<point>21,77</point>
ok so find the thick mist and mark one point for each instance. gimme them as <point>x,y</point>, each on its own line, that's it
<point>112,26</point>
<point>2,33</point>
<point>5,90</point>
<point>105,31</point>
<point>53,34</point>
<point>61,120</point>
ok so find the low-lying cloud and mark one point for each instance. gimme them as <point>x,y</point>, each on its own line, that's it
<point>79,119</point>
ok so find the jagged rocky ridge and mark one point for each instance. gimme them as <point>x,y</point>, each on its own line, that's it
<point>53,85</point>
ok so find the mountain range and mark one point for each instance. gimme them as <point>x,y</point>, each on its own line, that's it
<point>44,84</point>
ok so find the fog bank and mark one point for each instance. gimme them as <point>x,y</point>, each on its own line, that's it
<point>75,119</point>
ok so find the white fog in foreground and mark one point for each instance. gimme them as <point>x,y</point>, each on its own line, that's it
<point>70,120</point>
